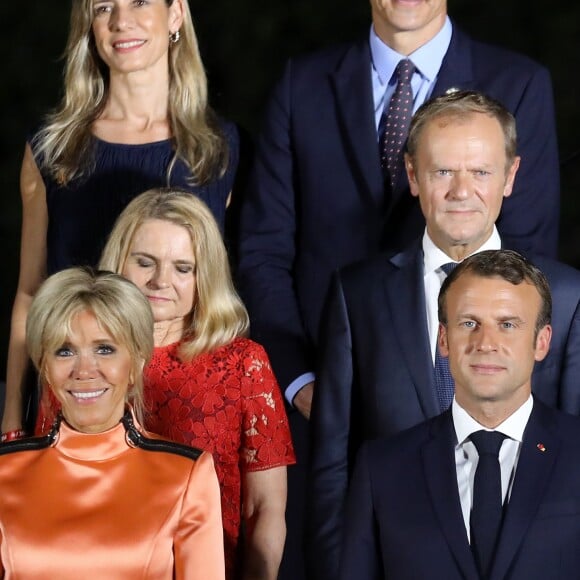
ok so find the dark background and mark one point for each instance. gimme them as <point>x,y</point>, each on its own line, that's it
<point>244,45</point>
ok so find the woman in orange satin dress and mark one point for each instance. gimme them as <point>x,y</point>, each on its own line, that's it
<point>98,497</point>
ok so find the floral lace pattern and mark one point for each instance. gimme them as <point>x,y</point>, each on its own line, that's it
<point>227,402</point>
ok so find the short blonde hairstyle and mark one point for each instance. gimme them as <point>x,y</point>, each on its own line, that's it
<point>218,316</point>
<point>64,145</point>
<point>116,303</point>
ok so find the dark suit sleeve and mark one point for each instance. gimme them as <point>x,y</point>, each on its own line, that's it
<point>267,244</point>
<point>360,548</point>
<point>330,436</point>
<point>570,378</point>
<point>529,220</point>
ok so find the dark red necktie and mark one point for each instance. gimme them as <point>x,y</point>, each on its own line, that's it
<point>398,117</point>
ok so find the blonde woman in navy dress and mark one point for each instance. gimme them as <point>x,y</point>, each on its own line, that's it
<point>134,116</point>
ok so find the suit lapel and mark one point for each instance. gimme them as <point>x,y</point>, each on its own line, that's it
<point>456,70</point>
<point>406,299</point>
<point>440,476</point>
<point>352,86</point>
<point>353,90</point>
<point>533,472</point>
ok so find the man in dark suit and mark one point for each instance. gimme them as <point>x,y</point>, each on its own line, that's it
<point>378,338</point>
<point>319,198</point>
<point>429,503</point>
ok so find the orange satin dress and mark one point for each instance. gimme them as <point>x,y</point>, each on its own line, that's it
<point>94,507</point>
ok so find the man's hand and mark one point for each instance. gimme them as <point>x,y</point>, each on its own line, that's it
<point>303,399</point>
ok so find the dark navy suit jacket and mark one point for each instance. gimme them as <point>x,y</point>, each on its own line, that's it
<point>317,200</point>
<point>376,374</point>
<point>404,515</point>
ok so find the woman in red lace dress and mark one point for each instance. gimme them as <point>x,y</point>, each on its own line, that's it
<point>207,385</point>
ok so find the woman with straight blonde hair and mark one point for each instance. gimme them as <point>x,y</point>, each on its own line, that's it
<point>207,385</point>
<point>219,315</point>
<point>134,115</point>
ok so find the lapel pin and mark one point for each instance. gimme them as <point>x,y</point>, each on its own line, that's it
<point>541,447</point>
<point>451,90</point>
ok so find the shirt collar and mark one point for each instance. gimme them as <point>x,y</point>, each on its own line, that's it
<point>513,427</point>
<point>427,58</point>
<point>434,257</point>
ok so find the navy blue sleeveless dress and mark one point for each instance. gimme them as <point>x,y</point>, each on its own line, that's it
<point>82,213</point>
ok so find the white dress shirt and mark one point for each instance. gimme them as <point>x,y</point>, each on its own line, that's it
<point>466,457</point>
<point>433,276</point>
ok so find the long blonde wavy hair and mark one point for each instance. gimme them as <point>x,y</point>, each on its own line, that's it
<point>64,143</point>
<point>218,316</point>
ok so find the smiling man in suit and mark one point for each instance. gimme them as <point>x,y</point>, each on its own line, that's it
<point>380,371</point>
<point>490,489</point>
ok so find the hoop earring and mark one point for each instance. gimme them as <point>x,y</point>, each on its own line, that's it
<point>174,37</point>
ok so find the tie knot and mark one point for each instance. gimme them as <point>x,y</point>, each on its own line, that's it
<point>449,267</point>
<point>405,70</point>
<point>487,442</point>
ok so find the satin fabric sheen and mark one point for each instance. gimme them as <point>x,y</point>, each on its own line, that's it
<point>92,507</point>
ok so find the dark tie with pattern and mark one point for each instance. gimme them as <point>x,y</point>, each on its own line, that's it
<point>487,509</point>
<point>398,117</point>
<point>443,379</point>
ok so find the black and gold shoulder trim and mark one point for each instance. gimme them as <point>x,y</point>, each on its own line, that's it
<point>137,439</point>
<point>29,443</point>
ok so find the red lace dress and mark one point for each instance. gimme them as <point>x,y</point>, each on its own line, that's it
<point>227,402</point>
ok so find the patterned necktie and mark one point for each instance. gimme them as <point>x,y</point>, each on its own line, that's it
<point>487,510</point>
<point>398,118</point>
<point>443,379</point>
